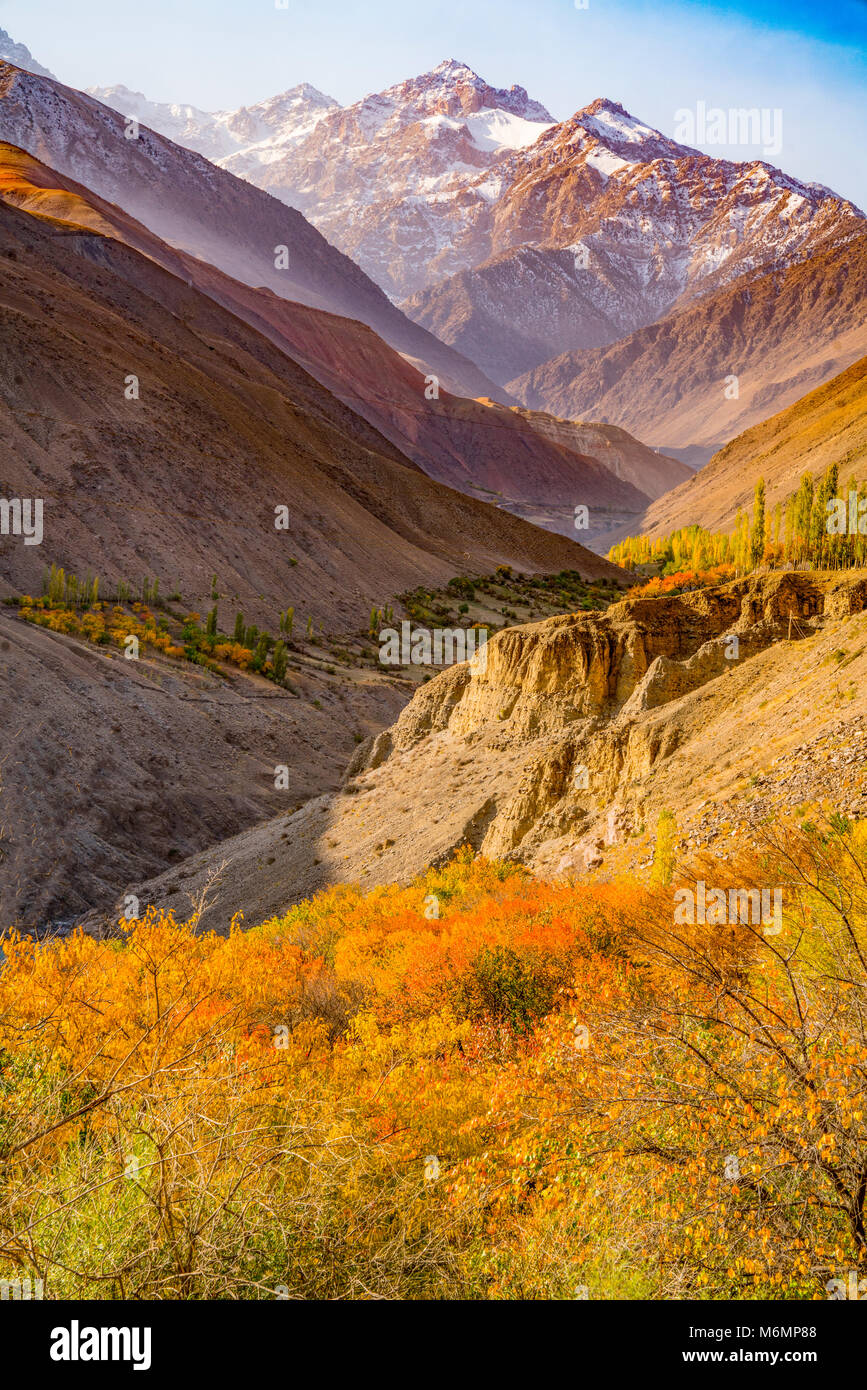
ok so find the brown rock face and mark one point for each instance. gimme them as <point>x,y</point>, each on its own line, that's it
<point>625,456</point>
<point>543,677</point>
<point>567,740</point>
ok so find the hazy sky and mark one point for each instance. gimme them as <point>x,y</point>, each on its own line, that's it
<point>809,59</point>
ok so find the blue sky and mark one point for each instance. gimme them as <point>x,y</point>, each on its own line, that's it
<point>809,60</point>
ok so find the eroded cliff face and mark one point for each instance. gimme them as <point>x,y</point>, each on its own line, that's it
<point>566,741</point>
<point>574,694</point>
<point>543,677</point>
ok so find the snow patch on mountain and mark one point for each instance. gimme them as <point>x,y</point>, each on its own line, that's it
<point>606,162</point>
<point>613,121</point>
<point>494,129</point>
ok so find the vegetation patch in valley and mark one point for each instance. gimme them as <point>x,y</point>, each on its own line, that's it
<point>110,615</point>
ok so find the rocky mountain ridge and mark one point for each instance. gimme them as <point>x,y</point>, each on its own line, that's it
<point>20,55</point>
<point>724,363</point>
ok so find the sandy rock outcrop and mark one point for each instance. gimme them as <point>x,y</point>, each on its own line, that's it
<point>560,748</point>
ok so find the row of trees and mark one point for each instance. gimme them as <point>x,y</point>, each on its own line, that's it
<point>65,589</point>
<point>813,525</point>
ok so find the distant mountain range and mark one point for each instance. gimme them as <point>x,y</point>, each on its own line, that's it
<point>556,255</point>
<point>591,269</point>
<point>378,178</point>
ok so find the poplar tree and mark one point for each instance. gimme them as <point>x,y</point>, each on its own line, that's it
<point>757,539</point>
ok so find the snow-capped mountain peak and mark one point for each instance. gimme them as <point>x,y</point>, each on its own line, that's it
<point>615,126</point>
<point>610,138</point>
<point>301,101</point>
<point>451,67</point>
<point>20,56</point>
<point>453,88</point>
<point>395,155</point>
<point>443,175</point>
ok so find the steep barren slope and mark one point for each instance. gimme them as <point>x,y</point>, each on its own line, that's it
<point>204,210</point>
<point>184,481</point>
<point>829,425</point>
<point>625,456</point>
<point>112,770</point>
<point>562,751</point>
<point>485,450</point>
<point>672,384</point>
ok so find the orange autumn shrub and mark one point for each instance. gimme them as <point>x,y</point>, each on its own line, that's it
<point>476,1085</point>
<point>682,579</point>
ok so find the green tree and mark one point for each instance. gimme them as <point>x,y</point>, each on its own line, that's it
<point>280,661</point>
<point>757,536</point>
<point>831,547</point>
<point>260,655</point>
<point>803,512</point>
<point>57,586</point>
